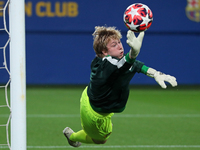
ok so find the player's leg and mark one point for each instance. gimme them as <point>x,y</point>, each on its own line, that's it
<point>99,142</point>
<point>81,136</point>
<point>97,126</point>
<point>75,138</point>
<point>68,133</point>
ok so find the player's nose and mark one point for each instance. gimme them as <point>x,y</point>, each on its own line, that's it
<point>120,46</point>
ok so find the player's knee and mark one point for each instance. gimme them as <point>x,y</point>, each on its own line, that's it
<point>103,142</point>
<point>99,142</point>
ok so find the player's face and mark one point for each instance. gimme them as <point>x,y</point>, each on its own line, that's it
<point>115,48</point>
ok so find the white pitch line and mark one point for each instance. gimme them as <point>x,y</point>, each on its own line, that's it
<point>112,146</point>
<point>117,146</point>
<point>52,115</point>
<point>116,115</point>
<point>157,115</point>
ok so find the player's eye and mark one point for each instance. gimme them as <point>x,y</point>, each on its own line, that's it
<point>114,44</point>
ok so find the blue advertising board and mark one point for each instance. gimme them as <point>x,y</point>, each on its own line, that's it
<point>59,38</point>
<point>81,15</point>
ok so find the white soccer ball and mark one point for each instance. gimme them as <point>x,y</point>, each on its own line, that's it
<point>138,17</point>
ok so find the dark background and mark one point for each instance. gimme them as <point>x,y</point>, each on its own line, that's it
<point>59,47</point>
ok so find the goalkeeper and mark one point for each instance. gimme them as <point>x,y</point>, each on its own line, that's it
<point>108,90</point>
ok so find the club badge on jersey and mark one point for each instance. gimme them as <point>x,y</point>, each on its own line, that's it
<point>193,10</point>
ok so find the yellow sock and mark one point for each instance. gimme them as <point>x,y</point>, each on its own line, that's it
<point>81,136</point>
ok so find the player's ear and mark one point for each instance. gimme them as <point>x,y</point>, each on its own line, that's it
<point>105,52</point>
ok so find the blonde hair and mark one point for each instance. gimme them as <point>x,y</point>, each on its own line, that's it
<point>102,35</point>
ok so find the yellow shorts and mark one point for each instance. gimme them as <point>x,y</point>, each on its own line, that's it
<point>97,125</point>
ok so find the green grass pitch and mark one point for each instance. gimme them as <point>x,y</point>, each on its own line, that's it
<point>154,119</point>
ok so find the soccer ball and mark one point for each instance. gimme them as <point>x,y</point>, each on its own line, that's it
<point>138,17</point>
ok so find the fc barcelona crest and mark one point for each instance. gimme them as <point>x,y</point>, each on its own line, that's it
<point>193,10</point>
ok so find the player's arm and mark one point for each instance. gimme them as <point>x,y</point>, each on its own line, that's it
<point>135,43</point>
<point>160,77</point>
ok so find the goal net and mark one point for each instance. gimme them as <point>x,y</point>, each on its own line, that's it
<point>5,109</point>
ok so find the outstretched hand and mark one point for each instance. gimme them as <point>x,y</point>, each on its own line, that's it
<point>161,78</point>
<point>134,42</point>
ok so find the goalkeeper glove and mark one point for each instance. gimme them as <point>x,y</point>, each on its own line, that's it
<point>161,78</point>
<point>134,43</point>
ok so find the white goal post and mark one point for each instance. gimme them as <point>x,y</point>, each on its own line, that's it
<point>18,74</point>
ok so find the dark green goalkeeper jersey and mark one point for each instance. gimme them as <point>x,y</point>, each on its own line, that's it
<point>108,90</point>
